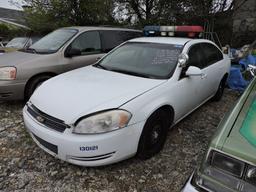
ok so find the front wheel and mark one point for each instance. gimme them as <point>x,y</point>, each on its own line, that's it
<point>153,135</point>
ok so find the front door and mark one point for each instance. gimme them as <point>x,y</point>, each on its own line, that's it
<point>89,44</point>
<point>190,90</point>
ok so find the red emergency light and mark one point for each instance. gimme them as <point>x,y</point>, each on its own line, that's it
<point>195,29</point>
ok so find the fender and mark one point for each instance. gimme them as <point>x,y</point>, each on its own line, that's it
<point>142,108</point>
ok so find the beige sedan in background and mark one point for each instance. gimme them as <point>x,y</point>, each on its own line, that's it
<point>65,49</point>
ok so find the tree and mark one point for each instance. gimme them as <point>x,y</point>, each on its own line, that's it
<point>46,15</point>
<point>143,12</point>
<point>4,30</point>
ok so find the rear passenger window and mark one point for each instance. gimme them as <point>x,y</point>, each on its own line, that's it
<point>212,54</point>
<point>111,39</point>
<point>196,57</point>
<point>127,35</point>
<point>87,43</point>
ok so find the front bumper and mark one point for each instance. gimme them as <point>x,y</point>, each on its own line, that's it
<point>11,90</point>
<point>188,186</point>
<point>85,150</point>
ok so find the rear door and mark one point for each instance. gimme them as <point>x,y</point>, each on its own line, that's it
<point>212,67</point>
<point>89,44</point>
<point>112,38</point>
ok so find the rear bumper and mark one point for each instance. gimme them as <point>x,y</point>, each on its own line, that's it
<point>11,90</point>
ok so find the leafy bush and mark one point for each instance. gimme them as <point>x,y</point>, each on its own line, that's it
<point>4,30</point>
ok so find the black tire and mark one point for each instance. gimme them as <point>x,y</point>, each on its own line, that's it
<point>218,95</point>
<point>153,135</point>
<point>33,84</point>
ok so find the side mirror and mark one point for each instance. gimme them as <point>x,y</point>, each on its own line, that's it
<point>182,60</point>
<point>71,52</point>
<point>194,71</point>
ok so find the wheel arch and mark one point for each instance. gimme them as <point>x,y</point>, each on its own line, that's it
<point>52,74</point>
<point>169,111</point>
<point>225,77</point>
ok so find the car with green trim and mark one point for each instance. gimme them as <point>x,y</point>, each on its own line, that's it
<point>230,161</point>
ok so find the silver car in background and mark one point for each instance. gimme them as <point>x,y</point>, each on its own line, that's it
<point>18,43</point>
<point>65,49</point>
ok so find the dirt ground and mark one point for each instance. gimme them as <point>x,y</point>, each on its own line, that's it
<point>25,167</point>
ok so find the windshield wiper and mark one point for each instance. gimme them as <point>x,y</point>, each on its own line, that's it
<point>30,50</point>
<point>100,66</point>
<point>131,73</point>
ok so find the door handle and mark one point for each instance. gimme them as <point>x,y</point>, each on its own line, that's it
<point>203,76</point>
<point>98,58</point>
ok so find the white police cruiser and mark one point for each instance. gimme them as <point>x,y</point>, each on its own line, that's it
<point>124,104</point>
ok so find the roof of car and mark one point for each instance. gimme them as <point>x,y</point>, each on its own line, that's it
<point>164,40</point>
<point>86,28</point>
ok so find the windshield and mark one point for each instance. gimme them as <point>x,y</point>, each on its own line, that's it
<point>151,60</point>
<point>18,42</point>
<point>35,39</point>
<point>53,41</point>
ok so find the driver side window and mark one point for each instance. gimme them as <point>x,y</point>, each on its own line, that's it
<point>195,55</point>
<point>87,43</point>
<point>196,59</point>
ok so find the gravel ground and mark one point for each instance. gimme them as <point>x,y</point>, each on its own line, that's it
<point>25,167</point>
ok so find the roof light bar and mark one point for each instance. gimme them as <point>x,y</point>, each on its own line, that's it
<point>154,30</point>
<point>195,29</point>
<point>151,30</point>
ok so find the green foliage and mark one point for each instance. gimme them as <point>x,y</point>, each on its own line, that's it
<point>141,12</point>
<point>4,30</point>
<point>46,15</point>
<point>9,31</point>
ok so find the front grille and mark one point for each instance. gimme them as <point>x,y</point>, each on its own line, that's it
<point>93,158</point>
<point>47,120</point>
<point>47,145</point>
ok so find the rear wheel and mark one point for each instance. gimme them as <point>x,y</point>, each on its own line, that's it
<point>153,135</point>
<point>220,91</point>
<point>33,84</point>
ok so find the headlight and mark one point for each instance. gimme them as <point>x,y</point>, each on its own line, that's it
<point>7,73</point>
<point>227,164</point>
<point>103,122</point>
<point>225,174</point>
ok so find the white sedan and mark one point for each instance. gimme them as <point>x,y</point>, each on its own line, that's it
<point>123,105</point>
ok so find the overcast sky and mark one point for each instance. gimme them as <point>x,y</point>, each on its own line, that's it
<point>7,4</point>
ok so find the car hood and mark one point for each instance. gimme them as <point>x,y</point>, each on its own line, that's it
<point>8,49</point>
<point>241,141</point>
<point>87,90</point>
<point>17,58</point>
